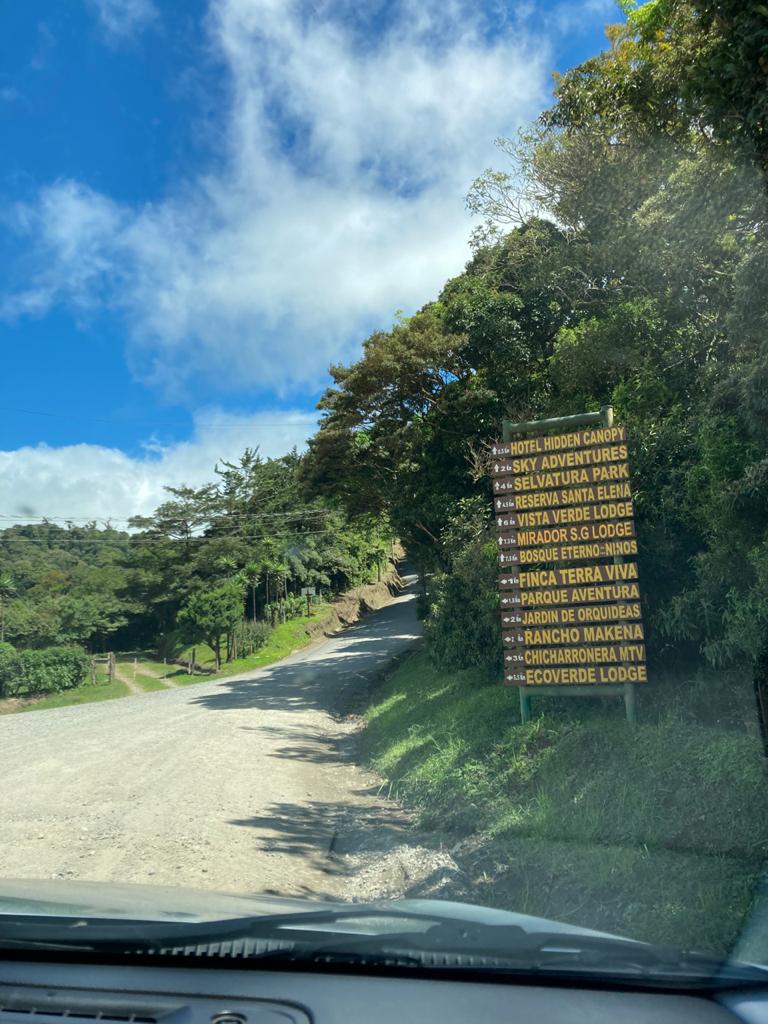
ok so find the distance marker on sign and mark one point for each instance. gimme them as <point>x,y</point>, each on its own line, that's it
<point>561,497</point>
<point>597,655</point>
<point>573,514</point>
<point>559,460</point>
<point>567,552</point>
<point>597,633</point>
<point>559,478</point>
<point>513,614</point>
<point>576,675</point>
<point>568,575</point>
<point>559,442</point>
<point>609,529</point>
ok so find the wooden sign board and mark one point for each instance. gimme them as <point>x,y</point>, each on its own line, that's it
<point>566,498</point>
<point>568,552</point>
<point>557,498</point>
<point>568,576</point>
<point>559,460</point>
<point>513,615</point>
<point>572,514</point>
<point>605,530</point>
<point>585,655</point>
<point>576,675</point>
<point>559,478</point>
<point>559,442</point>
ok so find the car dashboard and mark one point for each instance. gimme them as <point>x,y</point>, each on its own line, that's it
<point>48,993</point>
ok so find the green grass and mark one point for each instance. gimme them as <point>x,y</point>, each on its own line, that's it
<point>286,637</point>
<point>89,692</point>
<point>147,671</point>
<point>659,832</point>
<point>149,683</point>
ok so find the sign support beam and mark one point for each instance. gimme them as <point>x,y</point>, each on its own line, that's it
<point>604,418</point>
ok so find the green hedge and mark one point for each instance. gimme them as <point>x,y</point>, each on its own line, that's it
<point>49,670</point>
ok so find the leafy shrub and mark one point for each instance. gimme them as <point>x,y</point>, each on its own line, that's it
<point>252,635</point>
<point>49,670</point>
<point>295,606</point>
<point>463,621</point>
<point>10,671</point>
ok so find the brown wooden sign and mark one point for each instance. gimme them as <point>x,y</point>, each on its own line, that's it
<point>559,442</point>
<point>568,576</point>
<point>553,596</point>
<point>560,497</point>
<point>553,636</point>
<point>567,552</point>
<point>565,498</point>
<point>575,675</point>
<point>560,478</point>
<point>514,615</point>
<point>560,516</point>
<point>573,459</point>
<point>574,534</point>
<point>604,654</point>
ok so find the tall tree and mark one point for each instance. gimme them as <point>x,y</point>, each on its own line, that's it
<point>7,591</point>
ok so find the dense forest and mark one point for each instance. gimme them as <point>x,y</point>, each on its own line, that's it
<point>208,560</point>
<point>622,258</point>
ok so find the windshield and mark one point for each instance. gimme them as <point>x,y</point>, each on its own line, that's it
<point>384,479</point>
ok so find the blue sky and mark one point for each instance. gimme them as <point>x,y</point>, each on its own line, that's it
<point>206,202</point>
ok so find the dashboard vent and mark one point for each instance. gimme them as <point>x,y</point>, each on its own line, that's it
<point>74,1013</point>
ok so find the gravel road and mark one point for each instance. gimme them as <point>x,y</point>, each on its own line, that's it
<point>247,784</point>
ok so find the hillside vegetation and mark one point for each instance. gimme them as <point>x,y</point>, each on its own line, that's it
<point>658,832</point>
<point>622,261</point>
<point>218,566</point>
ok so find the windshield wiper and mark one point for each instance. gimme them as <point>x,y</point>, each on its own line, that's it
<point>100,933</point>
<point>351,936</point>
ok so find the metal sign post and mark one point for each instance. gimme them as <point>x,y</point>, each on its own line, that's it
<point>519,546</point>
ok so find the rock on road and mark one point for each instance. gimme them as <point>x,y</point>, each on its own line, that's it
<point>243,784</point>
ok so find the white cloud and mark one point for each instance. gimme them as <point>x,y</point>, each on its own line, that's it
<point>122,19</point>
<point>91,481</point>
<point>336,195</point>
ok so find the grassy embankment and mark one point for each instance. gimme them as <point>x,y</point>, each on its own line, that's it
<point>88,693</point>
<point>284,638</point>
<point>657,832</point>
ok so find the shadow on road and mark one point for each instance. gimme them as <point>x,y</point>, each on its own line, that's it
<point>326,678</point>
<point>319,833</point>
<point>334,678</point>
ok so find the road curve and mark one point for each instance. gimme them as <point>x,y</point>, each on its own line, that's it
<point>241,784</point>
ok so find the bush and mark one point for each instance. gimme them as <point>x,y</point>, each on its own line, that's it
<point>49,670</point>
<point>295,606</point>
<point>10,671</point>
<point>462,626</point>
<point>252,635</point>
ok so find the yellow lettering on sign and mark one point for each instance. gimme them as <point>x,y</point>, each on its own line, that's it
<point>586,675</point>
<point>583,655</point>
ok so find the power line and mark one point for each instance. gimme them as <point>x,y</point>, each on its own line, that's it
<point>161,540</point>
<point>226,517</point>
